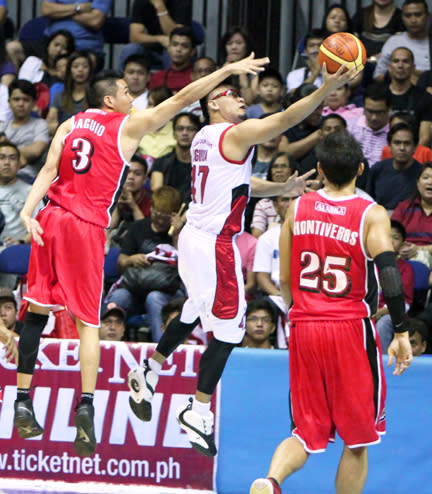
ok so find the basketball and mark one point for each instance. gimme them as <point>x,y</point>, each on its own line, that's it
<point>342,48</point>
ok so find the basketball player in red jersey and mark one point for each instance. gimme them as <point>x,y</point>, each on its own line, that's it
<point>209,262</point>
<point>329,243</point>
<point>83,175</point>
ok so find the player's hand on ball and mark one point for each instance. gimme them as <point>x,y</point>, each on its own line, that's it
<point>339,78</point>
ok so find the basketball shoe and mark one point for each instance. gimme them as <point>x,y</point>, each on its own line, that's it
<point>142,383</point>
<point>85,441</point>
<point>25,420</point>
<point>265,486</point>
<point>199,429</point>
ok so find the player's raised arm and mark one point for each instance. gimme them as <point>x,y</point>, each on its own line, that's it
<point>151,119</point>
<point>379,246</point>
<point>255,131</point>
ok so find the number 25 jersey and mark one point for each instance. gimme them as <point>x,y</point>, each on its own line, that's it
<point>332,278</point>
<point>92,168</point>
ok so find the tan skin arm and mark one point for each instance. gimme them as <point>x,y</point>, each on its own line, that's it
<point>156,180</point>
<point>42,183</point>
<point>149,120</point>
<point>377,240</point>
<point>33,151</point>
<point>425,133</point>
<point>285,243</point>
<point>239,138</point>
<point>60,11</point>
<point>138,34</point>
<point>166,22</point>
<point>301,147</point>
<point>92,20</point>
<point>266,284</point>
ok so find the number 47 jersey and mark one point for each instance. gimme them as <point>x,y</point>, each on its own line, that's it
<point>92,168</point>
<point>332,278</point>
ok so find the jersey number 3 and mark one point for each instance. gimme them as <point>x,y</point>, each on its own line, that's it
<point>199,179</point>
<point>331,276</point>
<point>84,150</point>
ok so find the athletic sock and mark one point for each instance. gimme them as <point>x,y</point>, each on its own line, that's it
<point>274,480</point>
<point>154,365</point>
<point>200,407</point>
<point>23,394</point>
<point>87,398</point>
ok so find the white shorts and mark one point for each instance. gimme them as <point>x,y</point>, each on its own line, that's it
<point>210,267</point>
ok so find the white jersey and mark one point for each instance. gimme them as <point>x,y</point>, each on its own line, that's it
<point>220,187</point>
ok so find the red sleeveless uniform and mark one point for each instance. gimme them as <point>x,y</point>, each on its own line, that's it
<point>336,373</point>
<point>68,269</point>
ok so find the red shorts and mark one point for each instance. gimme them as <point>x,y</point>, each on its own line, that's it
<point>68,270</point>
<point>337,383</point>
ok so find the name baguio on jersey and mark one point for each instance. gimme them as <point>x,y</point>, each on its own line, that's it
<point>92,168</point>
<point>220,187</point>
<point>332,276</point>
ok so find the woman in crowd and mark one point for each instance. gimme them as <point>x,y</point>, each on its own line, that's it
<point>281,167</point>
<point>72,99</point>
<point>336,19</point>
<point>416,216</point>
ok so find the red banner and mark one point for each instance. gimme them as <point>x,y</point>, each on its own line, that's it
<point>129,451</point>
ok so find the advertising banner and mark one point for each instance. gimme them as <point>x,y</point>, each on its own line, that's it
<point>129,451</point>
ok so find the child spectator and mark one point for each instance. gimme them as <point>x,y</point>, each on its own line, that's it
<point>270,92</point>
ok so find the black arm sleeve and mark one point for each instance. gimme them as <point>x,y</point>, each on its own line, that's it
<point>391,286</point>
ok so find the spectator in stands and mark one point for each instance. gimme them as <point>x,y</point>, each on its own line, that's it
<point>382,318</point>
<point>175,168</point>
<point>172,309</point>
<point>151,24</point>
<point>415,14</point>
<point>260,325</point>
<point>421,153</point>
<point>263,155</point>
<point>338,102</point>
<point>281,167</point>
<point>270,92</point>
<point>406,96</point>
<point>35,69</point>
<point>394,180</point>
<point>141,238</point>
<point>136,73</point>
<point>312,72</point>
<point>113,324</point>
<point>84,20</point>
<point>8,311</point>
<point>335,20</point>
<point>418,336</point>
<point>7,68</point>
<point>202,66</point>
<point>73,98</point>
<point>375,23</point>
<point>134,203</point>
<point>300,139</point>
<point>60,65</point>
<point>156,144</point>
<point>415,214</point>
<point>371,129</point>
<point>181,49</point>
<point>236,44</point>
<point>30,134</point>
<point>266,263</point>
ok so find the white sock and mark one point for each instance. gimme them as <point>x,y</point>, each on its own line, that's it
<point>200,407</point>
<point>154,365</point>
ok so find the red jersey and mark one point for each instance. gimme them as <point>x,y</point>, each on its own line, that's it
<point>92,168</point>
<point>332,278</point>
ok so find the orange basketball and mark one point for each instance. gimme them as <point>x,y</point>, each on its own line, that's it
<point>342,48</point>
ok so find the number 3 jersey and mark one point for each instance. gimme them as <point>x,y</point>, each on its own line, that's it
<point>220,187</point>
<point>92,168</point>
<point>331,275</point>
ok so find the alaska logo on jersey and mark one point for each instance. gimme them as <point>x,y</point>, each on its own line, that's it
<point>323,207</point>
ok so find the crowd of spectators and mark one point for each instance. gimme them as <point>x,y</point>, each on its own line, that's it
<point>387,108</point>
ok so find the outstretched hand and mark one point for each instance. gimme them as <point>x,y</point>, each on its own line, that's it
<point>10,346</point>
<point>295,186</point>
<point>249,65</point>
<point>33,227</point>
<point>339,78</point>
<point>400,348</point>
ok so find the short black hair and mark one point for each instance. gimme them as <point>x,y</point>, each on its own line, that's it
<point>340,156</point>
<point>303,90</point>
<point>419,326</point>
<point>410,2</point>
<point>9,144</point>
<point>378,91</point>
<point>397,225</point>
<point>401,126</point>
<point>141,160</point>
<point>270,73</point>
<point>191,116</point>
<point>315,33</point>
<point>24,86</point>
<point>261,304</point>
<point>139,59</point>
<point>183,31</point>
<point>333,116</point>
<point>103,84</point>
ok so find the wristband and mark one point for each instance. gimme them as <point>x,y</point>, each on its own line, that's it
<point>160,14</point>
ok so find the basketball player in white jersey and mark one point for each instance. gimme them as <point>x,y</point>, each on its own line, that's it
<point>209,262</point>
